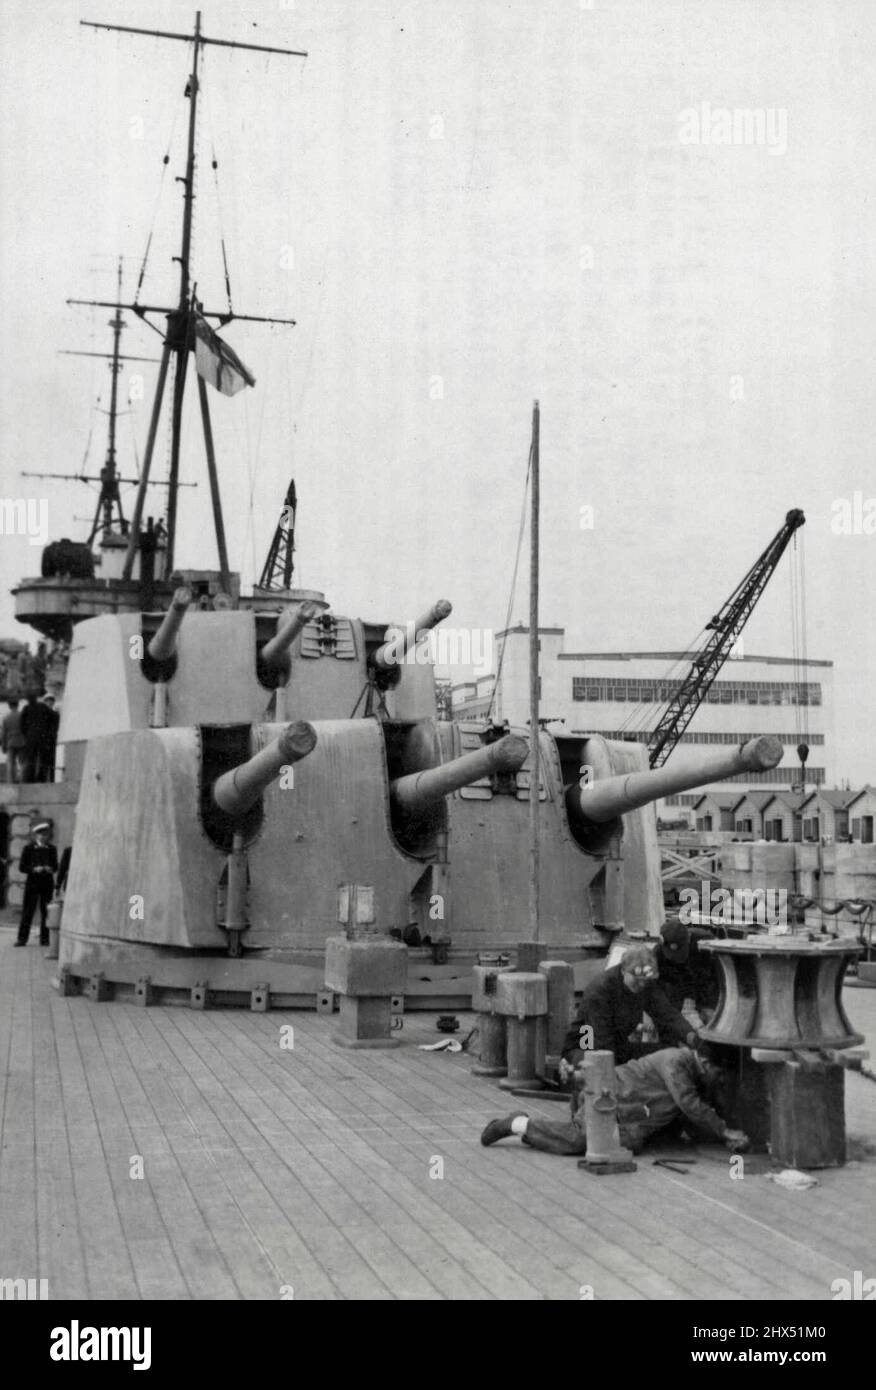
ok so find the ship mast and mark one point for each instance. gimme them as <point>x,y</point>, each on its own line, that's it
<point>180,320</point>
<point>534,683</point>
<point>109,489</point>
<point>109,501</point>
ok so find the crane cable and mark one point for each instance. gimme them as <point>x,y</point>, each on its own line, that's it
<point>641,717</point>
<point>798,649</point>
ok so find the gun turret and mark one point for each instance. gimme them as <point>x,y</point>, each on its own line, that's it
<point>420,791</point>
<point>399,640</point>
<point>274,653</point>
<point>162,647</point>
<point>236,791</point>
<point>602,802</point>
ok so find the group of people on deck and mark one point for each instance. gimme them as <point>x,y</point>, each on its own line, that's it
<point>29,738</point>
<point>672,1081</point>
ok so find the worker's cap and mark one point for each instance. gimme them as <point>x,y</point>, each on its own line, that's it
<point>676,942</point>
<point>41,825</point>
<point>641,962</point>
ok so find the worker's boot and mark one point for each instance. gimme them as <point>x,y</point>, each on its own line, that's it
<point>500,1129</point>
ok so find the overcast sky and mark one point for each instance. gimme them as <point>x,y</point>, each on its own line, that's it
<point>466,206</point>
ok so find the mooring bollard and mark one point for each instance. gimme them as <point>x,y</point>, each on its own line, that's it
<point>604,1151</point>
<point>560,1002</point>
<point>781,1009</point>
<point>367,969</point>
<point>53,924</point>
<point>521,998</point>
<point>807,1109</point>
<point>492,1042</point>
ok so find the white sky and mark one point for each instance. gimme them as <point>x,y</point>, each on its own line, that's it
<point>461,257</point>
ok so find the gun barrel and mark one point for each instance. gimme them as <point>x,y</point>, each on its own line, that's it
<point>610,797</point>
<point>399,639</point>
<point>163,644</point>
<point>273,653</point>
<point>236,791</point>
<point>420,790</point>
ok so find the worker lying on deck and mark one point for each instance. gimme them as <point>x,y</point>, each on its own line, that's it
<point>652,1092</point>
<point>613,1005</point>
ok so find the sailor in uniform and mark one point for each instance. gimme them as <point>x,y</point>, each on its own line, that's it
<point>39,861</point>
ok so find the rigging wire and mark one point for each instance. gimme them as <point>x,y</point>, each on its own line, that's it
<point>130,414</point>
<point>215,166</point>
<point>513,587</point>
<point>94,412</point>
<point>295,414</point>
<point>164,163</point>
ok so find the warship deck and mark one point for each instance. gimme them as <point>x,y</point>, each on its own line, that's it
<point>314,1169</point>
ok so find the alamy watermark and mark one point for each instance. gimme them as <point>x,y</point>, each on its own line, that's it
<point>29,517</point>
<point>441,646</point>
<point>764,127</point>
<point>765,907</point>
<point>28,1290</point>
<point>76,1343</point>
<point>857,1289</point>
<point>853,516</point>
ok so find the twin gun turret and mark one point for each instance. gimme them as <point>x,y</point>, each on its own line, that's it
<point>286,755</point>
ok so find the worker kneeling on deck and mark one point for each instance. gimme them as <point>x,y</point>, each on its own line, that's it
<point>652,1092</point>
<point>610,1016</point>
<point>688,976</point>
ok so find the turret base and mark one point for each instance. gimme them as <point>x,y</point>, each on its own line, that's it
<point>294,981</point>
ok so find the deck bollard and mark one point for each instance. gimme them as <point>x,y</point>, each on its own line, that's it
<point>367,969</point>
<point>605,1153</point>
<point>521,997</point>
<point>53,926</point>
<point>781,1008</point>
<point>493,1054</point>
<point>560,1003</point>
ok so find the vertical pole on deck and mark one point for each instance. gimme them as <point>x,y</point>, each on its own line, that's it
<point>534,727</point>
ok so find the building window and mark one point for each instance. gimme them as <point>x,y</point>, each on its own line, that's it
<point>649,691</point>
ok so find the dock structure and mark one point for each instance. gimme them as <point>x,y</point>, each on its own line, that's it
<point>177,1154</point>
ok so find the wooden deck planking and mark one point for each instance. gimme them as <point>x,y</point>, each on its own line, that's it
<point>422,1151</point>
<point>18,1206</point>
<point>359,1162</point>
<point>223,1199</point>
<point>339,1257</point>
<point>747,1277</point>
<point>205,1270</point>
<point>266,1168</point>
<point>522,1202</point>
<point>386,1256</point>
<point>156,1267</point>
<point>60,1256</point>
<point>104,1249</point>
